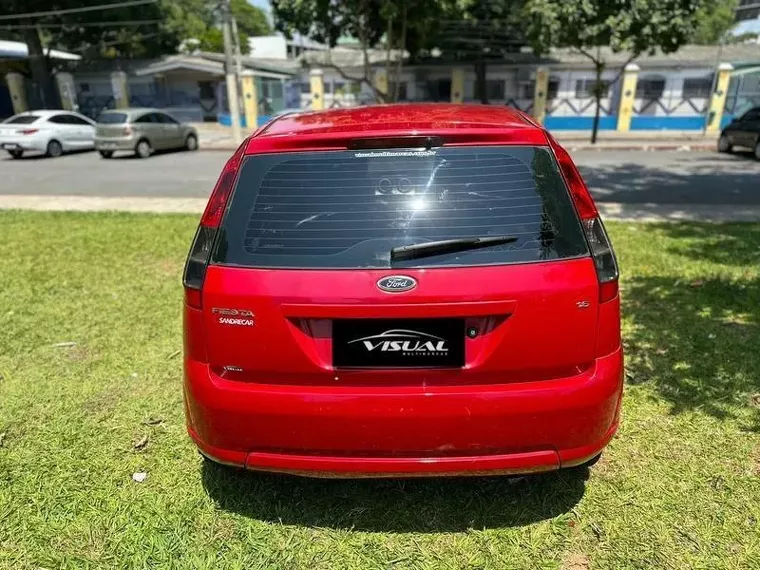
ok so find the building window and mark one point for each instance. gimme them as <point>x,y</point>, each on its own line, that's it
<point>650,88</point>
<point>305,87</point>
<point>585,88</point>
<point>553,90</point>
<point>697,87</point>
<point>527,89</point>
<point>494,90</point>
<point>402,93</point>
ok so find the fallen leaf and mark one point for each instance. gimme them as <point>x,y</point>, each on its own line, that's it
<point>661,351</point>
<point>755,398</point>
<point>2,439</point>
<point>139,476</point>
<point>696,283</point>
<point>68,344</point>
<point>153,421</point>
<point>141,443</point>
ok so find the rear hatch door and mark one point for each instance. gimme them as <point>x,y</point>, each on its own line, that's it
<point>303,287</point>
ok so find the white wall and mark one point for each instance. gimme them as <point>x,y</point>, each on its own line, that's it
<point>273,47</point>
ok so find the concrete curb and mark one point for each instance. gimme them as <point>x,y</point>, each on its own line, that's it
<point>609,210</point>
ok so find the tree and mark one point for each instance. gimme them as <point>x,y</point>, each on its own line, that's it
<point>714,20</point>
<point>251,20</point>
<point>481,31</point>
<point>630,26</point>
<point>395,26</point>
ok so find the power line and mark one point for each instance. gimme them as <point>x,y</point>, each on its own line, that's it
<point>77,10</point>
<point>114,23</point>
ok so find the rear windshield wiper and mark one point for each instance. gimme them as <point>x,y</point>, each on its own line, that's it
<point>430,248</point>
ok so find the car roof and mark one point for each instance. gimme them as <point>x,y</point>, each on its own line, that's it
<point>43,113</point>
<point>132,111</point>
<point>406,118</point>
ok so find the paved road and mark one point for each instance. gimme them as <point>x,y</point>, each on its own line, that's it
<point>621,177</point>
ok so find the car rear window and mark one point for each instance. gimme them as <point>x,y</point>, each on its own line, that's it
<point>348,209</point>
<point>22,120</point>
<point>112,118</point>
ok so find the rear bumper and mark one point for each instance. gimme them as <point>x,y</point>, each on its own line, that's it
<point>23,143</point>
<point>403,431</point>
<point>117,143</point>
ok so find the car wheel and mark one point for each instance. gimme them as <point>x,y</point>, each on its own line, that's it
<point>16,153</point>
<point>106,153</point>
<point>191,142</point>
<point>143,149</point>
<point>54,149</point>
<point>724,145</point>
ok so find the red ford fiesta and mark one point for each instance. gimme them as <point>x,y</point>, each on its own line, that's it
<point>402,290</point>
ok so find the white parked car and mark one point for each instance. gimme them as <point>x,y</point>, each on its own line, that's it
<point>50,132</point>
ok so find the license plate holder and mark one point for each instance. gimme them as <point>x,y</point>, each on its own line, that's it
<point>398,343</point>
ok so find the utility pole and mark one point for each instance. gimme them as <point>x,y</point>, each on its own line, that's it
<point>229,71</point>
<point>238,52</point>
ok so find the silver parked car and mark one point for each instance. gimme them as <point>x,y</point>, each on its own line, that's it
<point>51,132</point>
<point>142,131</point>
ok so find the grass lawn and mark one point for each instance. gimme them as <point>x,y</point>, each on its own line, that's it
<point>678,488</point>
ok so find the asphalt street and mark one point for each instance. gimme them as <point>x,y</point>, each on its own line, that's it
<point>625,177</point>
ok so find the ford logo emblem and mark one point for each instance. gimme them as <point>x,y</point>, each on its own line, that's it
<point>396,283</point>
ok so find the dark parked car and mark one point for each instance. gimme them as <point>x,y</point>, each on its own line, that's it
<point>744,132</point>
<point>142,131</point>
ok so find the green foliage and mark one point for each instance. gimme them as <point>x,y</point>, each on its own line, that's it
<point>633,26</point>
<point>251,20</point>
<point>713,21</point>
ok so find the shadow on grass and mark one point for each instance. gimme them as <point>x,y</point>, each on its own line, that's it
<point>696,339</point>
<point>395,505</point>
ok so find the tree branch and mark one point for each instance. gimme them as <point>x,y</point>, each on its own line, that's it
<point>622,69</point>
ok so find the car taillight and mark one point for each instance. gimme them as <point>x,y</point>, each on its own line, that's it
<point>596,235</point>
<point>29,131</point>
<point>127,131</point>
<point>200,251</point>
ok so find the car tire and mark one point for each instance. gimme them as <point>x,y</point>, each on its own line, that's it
<point>191,143</point>
<point>54,149</point>
<point>106,153</point>
<point>143,149</point>
<point>16,153</point>
<point>724,145</point>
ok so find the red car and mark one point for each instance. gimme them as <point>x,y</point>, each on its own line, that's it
<point>402,290</point>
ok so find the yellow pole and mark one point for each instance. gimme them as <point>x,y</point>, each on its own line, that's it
<point>457,85</point>
<point>627,97</point>
<point>250,100</point>
<point>18,93</point>
<point>65,83</point>
<point>381,82</point>
<point>317,89</point>
<point>120,89</point>
<point>540,93</point>
<point>718,98</point>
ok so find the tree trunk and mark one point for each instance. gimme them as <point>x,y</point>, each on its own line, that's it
<point>40,73</point>
<point>400,56</point>
<point>480,80</point>
<point>597,101</point>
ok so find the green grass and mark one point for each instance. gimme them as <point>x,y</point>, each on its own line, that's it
<point>678,488</point>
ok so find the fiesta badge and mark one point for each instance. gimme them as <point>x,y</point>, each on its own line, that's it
<point>396,283</point>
